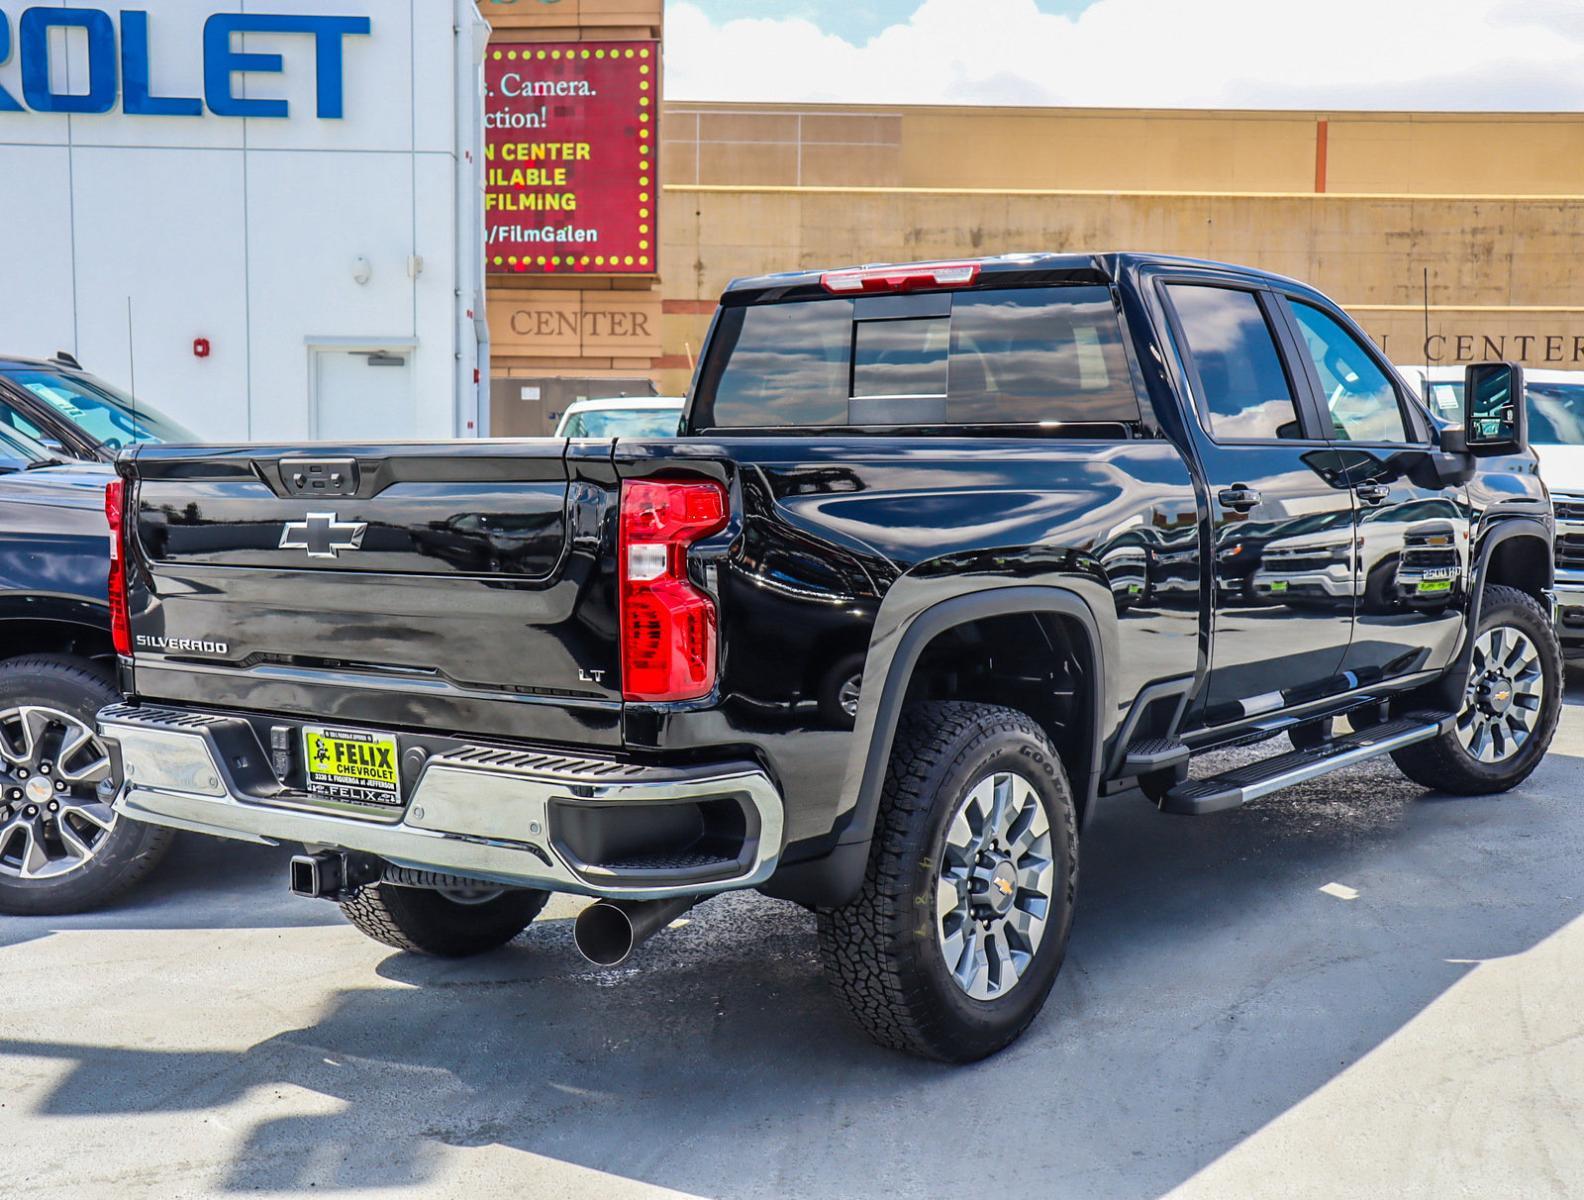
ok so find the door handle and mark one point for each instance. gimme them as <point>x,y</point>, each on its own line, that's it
<point>1373,493</point>
<point>1239,498</point>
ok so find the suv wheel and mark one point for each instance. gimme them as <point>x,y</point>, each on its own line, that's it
<point>62,846</point>
<point>1510,705</point>
<point>451,924</point>
<point>953,943</point>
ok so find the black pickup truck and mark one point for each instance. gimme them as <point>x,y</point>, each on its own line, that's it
<point>1077,519</point>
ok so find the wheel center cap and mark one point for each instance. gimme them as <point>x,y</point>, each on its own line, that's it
<point>39,790</point>
<point>1495,695</point>
<point>1002,889</point>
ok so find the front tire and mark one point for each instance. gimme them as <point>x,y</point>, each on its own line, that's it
<point>1511,704</point>
<point>63,848</point>
<point>426,921</point>
<point>952,945</point>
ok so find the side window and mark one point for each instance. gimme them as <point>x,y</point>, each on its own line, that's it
<point>1360,396</point>
<point>1244,387</point>
<point>10,416</point>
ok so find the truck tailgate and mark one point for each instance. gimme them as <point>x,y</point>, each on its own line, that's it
<point>455,586</point>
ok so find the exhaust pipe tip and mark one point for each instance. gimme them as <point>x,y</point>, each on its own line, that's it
<point>604,934</point>
<point>608,931</point>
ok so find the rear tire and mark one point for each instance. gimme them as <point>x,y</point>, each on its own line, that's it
<point>80,854</point>
<point>952,945</point>
<point>1504,678</point>
<point>425,921</point>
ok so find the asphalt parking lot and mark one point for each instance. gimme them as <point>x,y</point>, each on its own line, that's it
<point>1228,1024</point>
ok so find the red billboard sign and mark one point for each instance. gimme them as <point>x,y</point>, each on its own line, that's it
<point>570,158</point>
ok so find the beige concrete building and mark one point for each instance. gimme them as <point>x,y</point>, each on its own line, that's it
<point>1481,215</point>
<point>1452,237</point>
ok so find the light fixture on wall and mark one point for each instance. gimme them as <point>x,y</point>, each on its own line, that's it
<point>362,271</point>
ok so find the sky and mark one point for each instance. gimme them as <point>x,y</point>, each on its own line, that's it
<point>1525,55</point>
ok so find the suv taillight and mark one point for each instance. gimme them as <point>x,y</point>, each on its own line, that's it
<point>120,617</point>
<point>668,626</point>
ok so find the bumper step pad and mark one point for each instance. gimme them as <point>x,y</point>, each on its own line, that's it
<point>1237,787</point>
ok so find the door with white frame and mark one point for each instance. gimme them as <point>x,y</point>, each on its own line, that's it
<point>363,391</point>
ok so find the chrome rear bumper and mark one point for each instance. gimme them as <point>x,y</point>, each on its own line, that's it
<point>484,812</point>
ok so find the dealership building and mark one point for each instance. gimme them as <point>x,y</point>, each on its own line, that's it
<point>266,216</point>
<point>368,218</point>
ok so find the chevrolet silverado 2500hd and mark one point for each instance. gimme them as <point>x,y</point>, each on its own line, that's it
<point>1049,526</point>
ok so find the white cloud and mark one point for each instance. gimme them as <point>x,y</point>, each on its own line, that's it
<point>1335,54</point>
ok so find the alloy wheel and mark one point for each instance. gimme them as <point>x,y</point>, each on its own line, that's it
<point>1505,691</point>
<point>54,813</point>
<point>847,695</point>
<point>993,891</point>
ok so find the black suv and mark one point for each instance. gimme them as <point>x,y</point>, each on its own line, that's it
<point>57,403</point>
<point>62,846</point>
<point>1021,490</point>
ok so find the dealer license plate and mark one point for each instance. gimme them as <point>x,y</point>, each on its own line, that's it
<point>352,766</point>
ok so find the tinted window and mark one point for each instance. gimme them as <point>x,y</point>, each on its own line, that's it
<point>17,450</point>
<point>1360,395</point>
<point>1556,413</point>
<point>1040,355</point>
<point>107,415</point>
<point>1008,356</point>
<point>782,364</point>
<point>15,420</point>
<point>623,422</point>
<point>901,358</point>
<point>1244,389</point>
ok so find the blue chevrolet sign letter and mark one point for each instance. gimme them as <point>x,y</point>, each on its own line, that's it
<point>132,71</point>
<point>8,102</point>
<point>36,87</point>
<point>221,61</point>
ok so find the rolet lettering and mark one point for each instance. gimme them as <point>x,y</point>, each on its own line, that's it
<point>130,74</point>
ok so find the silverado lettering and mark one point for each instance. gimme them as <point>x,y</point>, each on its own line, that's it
<point>181,645</point>
<point>948,556</point>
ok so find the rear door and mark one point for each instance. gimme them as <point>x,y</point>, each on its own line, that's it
<point>1282,521</point>
<point>1411,527</point>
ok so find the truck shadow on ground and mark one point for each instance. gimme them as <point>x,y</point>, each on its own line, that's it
<point>1210,987</point>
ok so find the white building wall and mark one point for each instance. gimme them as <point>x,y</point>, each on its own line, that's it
<point>246,231</point>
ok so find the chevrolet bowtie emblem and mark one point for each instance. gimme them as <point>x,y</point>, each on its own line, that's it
<point>323,536</point>
<point>1004,886</point>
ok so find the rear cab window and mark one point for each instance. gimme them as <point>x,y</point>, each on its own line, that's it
<point>1003,356</point>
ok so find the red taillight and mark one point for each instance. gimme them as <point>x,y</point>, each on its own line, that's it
<point>120,617</point>
<point>668,626</point>
<point>900,278</point>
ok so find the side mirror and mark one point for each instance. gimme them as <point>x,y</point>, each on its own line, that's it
<point>1495,416</point>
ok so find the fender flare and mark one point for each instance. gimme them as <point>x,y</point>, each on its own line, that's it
<point>925,628</point>
<point>1505,529</point>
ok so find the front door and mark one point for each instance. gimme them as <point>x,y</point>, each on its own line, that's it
<point>1411,522</point>
<point>1282,518</point>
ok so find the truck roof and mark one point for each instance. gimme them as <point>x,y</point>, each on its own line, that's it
<point>1100,267</point>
